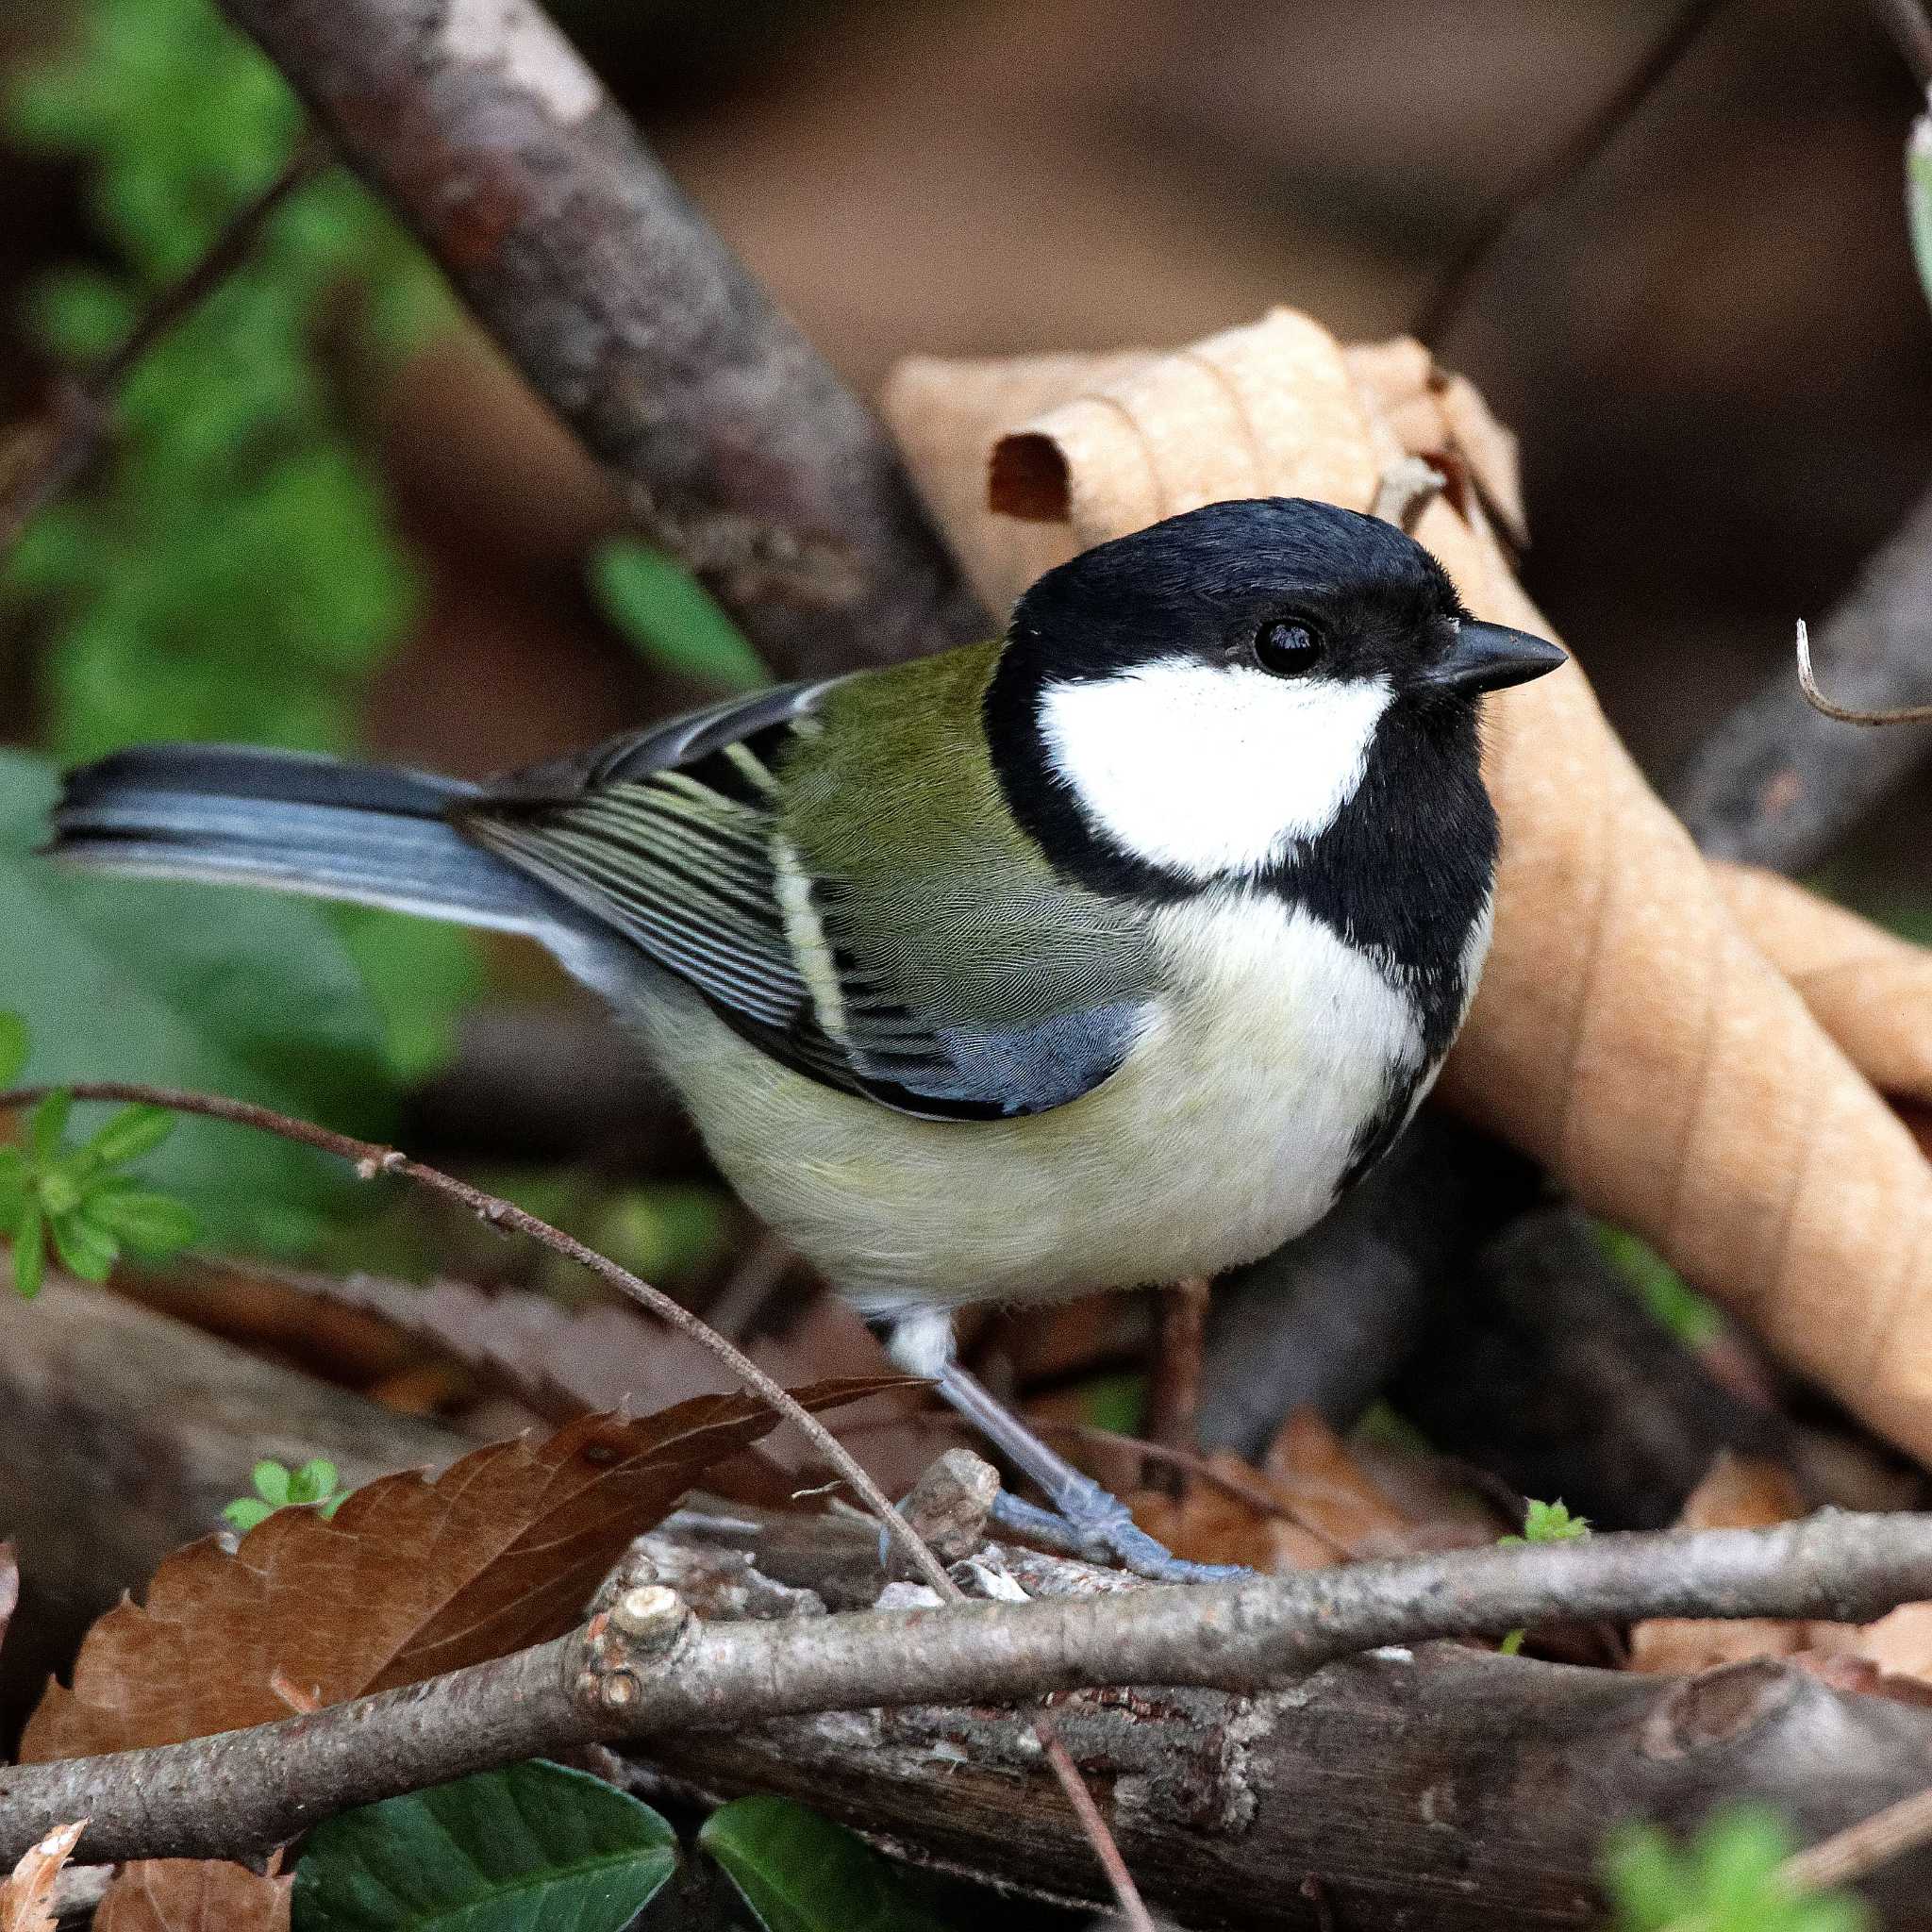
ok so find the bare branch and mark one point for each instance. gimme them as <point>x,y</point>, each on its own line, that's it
<point>741,450</point>
<point>40,460</point>
<point>246,1790</point>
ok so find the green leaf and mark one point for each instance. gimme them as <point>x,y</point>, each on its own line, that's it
<point>1672,1301</point>
<point>314,1482</point>
<point>16,1188</point>
<point>243,993</point>
<point>1725,1880</point>
<point>153,1225</point>
<point>801,1872</point>
<point>29,1253</point>
<point>84,1249</point>
<point>668,615</point>
<point>1550,1523</point>
<point>48,1125</point>
<point>131,1133</point>
<point>532,1846</point>
<point>13,1048</point>
<point>271,1482</point>
<point>244,1512</point>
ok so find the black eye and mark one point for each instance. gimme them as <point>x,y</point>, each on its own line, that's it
<point>1288,646</point>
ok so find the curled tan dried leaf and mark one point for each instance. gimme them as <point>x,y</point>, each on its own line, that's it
<point>1628,1032</point>
<point>193,1895</point>
<point>410,1579</point>
<point>26,1894</point>
<point>1870,990</point>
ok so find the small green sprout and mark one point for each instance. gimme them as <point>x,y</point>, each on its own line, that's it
<point>1543,1522</point>
<point>79,1200</point>
<point>278,1487</point>
<point>1726,1879</point>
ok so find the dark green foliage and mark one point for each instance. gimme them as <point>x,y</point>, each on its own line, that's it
<point>231,570</point>
<point>800,1872</point>
<point>533,1848</point>
<point>1725,1880</point>
<point>79,1199</point>
<point>242,993</point>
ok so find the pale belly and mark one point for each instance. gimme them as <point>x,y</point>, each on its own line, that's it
<point>1227,1131</point>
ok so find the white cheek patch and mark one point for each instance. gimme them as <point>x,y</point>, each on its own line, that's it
<point>1212,770</point>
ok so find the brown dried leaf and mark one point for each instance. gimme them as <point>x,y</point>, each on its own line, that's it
<point>26,1898</point>
<point>1329,1493</point>
<point>1741,1492</point>
<point>193,1895</point>
<point>410,1579</point>
<point>1871,990</point>
<point>1845,1671</point>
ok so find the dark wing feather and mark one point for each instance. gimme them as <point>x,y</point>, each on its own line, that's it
<point>670,837</point>
<point>665,835</point>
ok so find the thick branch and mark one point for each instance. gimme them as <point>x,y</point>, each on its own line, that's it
<point>741,449</point>
<point>248,1789</point>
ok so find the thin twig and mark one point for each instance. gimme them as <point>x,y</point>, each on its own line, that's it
<point>1911,34</point>
<point>242,1791</point>
<point>1849,1855</point>
<point>43,458</point>
<point>370,1159</point>
<point>1440,311</point>
<point>1845,714</point>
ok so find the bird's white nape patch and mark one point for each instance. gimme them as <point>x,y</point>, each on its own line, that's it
<point>1210,770</point>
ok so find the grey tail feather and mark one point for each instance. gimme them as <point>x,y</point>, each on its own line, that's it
<point>295,823</point>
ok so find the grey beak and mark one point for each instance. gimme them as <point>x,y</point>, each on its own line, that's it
<point>1491,656</point>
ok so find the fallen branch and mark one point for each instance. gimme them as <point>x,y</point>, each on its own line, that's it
<point>1491,1782</point>
<point>651,1668</point>
<point>742,452</point>
<point>370,1159</point>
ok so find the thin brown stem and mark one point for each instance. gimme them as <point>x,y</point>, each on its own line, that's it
<point>371,1159</point>
<point>1847,714</point>
<point>1508,215</point>
<point>42,458</point>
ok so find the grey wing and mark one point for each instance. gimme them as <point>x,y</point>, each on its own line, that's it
<point>669,837</point>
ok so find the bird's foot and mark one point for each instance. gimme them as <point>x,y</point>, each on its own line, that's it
<point>1093,1523</point>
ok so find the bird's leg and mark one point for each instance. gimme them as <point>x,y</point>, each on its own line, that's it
<point>1085,1519</point>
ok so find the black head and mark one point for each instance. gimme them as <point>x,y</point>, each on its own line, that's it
<point>1286,585</point>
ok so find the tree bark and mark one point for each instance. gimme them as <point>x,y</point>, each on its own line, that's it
<point>739,449</point>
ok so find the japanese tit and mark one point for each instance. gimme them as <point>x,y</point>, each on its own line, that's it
<point>1108,952</point>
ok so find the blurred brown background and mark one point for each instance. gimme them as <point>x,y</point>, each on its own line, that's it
<point>1712,344</point>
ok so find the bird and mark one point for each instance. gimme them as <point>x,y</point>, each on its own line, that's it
<point>1109,951</point>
